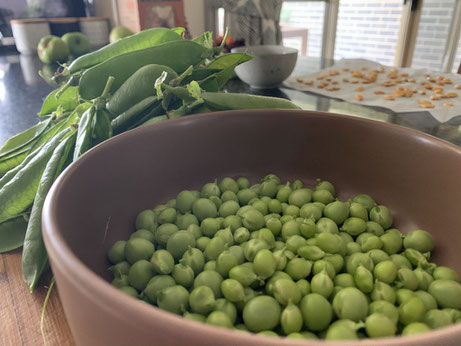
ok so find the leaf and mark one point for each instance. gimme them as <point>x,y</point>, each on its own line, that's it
<point>228,60</point>
<point>205,39</point>
<point>18,194</point>
<point>34,256</point>
<point>68,100</point>
<point>83,142</point>
<point>12,232</point>
<point>22,139</point>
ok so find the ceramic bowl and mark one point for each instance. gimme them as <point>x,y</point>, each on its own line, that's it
<point>95,201</point>
<point>270,65</point>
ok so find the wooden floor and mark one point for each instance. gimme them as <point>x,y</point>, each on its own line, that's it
<point>20,311</point>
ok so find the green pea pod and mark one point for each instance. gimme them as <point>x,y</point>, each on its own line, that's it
<point>225,101</point>
<point>101,127</point>
<point>155,120</point>
<point>141,40</point>
<point>34,256</point>
<point>12,232</point>
<point>126,118</point>
<point>24,138</point>
<point>83,142</point>
<point>178,55</point>
<point>18,194</point>
<point>137,87</point>
<point>67,100</point>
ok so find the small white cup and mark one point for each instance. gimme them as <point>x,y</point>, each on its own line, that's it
<point>28,32</point>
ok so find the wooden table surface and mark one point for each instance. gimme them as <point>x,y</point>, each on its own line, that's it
<point>20,311</point>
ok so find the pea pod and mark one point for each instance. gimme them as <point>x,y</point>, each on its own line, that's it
<point>149,105</point>
<point>67,100</point>
<point>137,87</point>
<point>18,194</point>
<point>12,233</point>
<point>101,127</point>
<point>178,55</point>
<point>225,101</point>
<point>141,40</point>
<point>34,256</point>
<point>83,142</point>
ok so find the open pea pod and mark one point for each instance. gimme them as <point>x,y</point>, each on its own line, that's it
<point>18,193</point>
<point>227,101</point>
<point>67,100</point>
<point>12,232</point>
<point>141,40</point>
<point>178,55</point>
<point>34,256</point>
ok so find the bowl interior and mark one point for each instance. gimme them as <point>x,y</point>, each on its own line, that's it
<point>266,50</point>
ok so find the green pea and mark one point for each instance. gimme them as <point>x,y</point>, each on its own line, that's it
<point>400,261</point>
<point>237,251</point>
<point>138,249</point>
<point>286,291</point>
<point>416,258</point>
<point>324,185</point>
<point>162,262</point>
<point>354,226</point>
<point>226,235</point>
<point>350,303</point>
<point>179,242</point>
<point>322,196</point>
<point>140,273</point>
<point>225,262</point>
<point>383,291</point>
<point>253,219</point>
<point>328,242</point>
<point>437,319</point>
<point>232,290</point>
<point>403,294</point>
<point>382,215</point>
<point>392,243</point>
<point>385,271</point>
<point>428,300</point>
<point>203,208</point>
<point>171,204</point>
<point>209,226</point>
<point>374,228</point>
<point>378,256</point>
<point>371,243</point>
<point>447,293</point>
<point>241,235</point>
<point>252,247</point>
<point>261,313</point>
<point>275,225</point>
<point>202,243</point>
<point>155,285</point>
<point>119,269</point>
<point>227,307</point>
<point>202,300</point>
<point>158,209</point>
<point>445,273</point>
<point>264,263</point>
<point>326,225</point>
<point>322,284</point>
<point>385,308</point>
<point>255,187</point>
<point>412,310</point>
<point>363,279</point>
<point>317,312</point>
<point>406,278</point>
<point>266,235</point>
<point>310,210</point>
<point>352,248</point>
<point>219,319</point>
<point>227,196</point>
<point>167,215</point>
<point>164,232</point>
<point>337,211</point>
<point>194,317</point>
<point>291,210</point>
<point>184,221</point>
<point>304,287</point>
<point>419,240</point>
<point>308,228</point>
<point>283,193</point>
<point>120,281</point>
<point>144,234</point>
<point>291,319</point>
<point>216,200</point>
<point>423,277</point>
<point>184,201</point>
<point>194,230</point>
<point>280,259</point>
<point>336,260</point>
<point>245,195</point>
<point>210,265</point>
<point>194,258</point>
<point>243,183</point>
<point>183,275</point>
<point>117,252</point>
<point>454,314</point>
<point>233,222</point>
<point>130,291</point>
<point>268,188</point>
<point>310,252</point>
<point>286,218</point>
<point>357,259</point>
<point>340,331</point>
<point>365,200</point>
<point>379,325</point>
<point>344,280</point>
<point>321,265</point>
<point>358,210</point>
<point>297,184</point>
<point>415,328</point>
<point>298,268</point>
<point>228,184</point>
<point>214,248</point>
<point>146,220</point>
<point>243,274</point>
<point>300,197</point>
<point>211,279</point>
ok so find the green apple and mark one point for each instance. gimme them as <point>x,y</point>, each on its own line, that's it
<point>119,32</point>
<point>52,49</point>
<point>78,43</point>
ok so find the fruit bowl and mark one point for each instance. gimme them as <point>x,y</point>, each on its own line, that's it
<point>95,202</point>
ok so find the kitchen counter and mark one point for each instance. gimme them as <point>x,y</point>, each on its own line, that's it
<point>22,92</point>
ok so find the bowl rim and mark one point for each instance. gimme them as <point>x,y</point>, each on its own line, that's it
<point>74,267</point>
<point>245,49</point>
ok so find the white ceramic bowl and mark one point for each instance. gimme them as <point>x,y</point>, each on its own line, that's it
<point>270,65</point>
